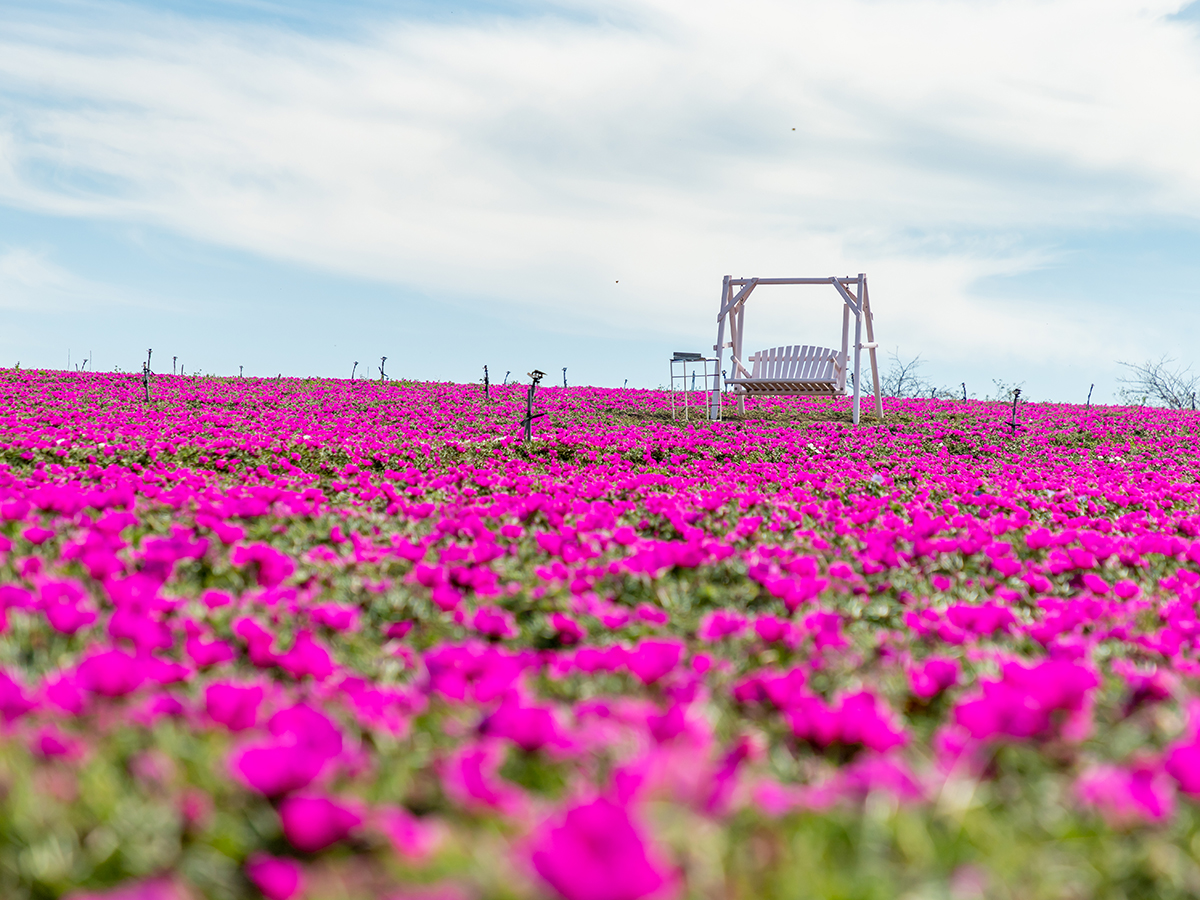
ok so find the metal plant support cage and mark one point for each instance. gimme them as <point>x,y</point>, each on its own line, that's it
<point>685,366</point>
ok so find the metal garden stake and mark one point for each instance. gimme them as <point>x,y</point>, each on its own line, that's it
<point>535,376</point>
<point>1016,396</point>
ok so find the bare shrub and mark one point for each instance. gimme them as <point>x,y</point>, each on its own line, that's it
<point>1159,383</point>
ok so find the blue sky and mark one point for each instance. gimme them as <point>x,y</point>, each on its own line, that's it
<point>291,187</point>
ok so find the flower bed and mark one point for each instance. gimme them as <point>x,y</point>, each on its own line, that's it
<point>313,638</point>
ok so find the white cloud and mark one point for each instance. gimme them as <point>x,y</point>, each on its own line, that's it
<point>29,280</point>
<point>538,162</point>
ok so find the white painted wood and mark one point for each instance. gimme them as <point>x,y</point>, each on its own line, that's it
<point>866,299</point>
<point>857,366</point>
<point>714,398</point>
<point>847,296</point>
<point>740,298</point>
<point>796,368</point>
<point>848,279</point>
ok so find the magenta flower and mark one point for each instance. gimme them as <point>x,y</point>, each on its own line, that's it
<point>269,566</point>
<point>412,837</point>
<point>1024,701</point>
<point>652,659</point>
<point>234,706</point>
<point>1183,764</point>
<point>569,631</point>
<point>277,877</point>
<point>314,823</point>
<point>470,778</point>
<point>112,673</point>
<point>596,852</point>
<point>14,703</point>
<point>274,770</point>
<point>1123,796</point>
<point>530,727</point>
<point>50,743</point>
<point>720,624</point>
<point>307,658</point>
<point>494,623</point>
<point>933,676</point>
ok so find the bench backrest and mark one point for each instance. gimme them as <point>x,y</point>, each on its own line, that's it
<point>795,363</point>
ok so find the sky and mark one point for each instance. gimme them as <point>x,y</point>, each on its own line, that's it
<point>295,187</point>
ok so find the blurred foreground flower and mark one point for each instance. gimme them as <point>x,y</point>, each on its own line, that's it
<point>595,852</point>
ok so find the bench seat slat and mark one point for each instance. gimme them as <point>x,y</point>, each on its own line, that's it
<point>791,369</point>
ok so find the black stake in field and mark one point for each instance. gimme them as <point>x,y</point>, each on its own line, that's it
<point>487,385</point>
<point>535,376</point>
<point>1014,425</point>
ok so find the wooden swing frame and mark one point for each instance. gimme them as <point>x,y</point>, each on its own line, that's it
<point>733,313</point>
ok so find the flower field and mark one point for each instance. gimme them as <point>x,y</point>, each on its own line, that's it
<point>324,639</point>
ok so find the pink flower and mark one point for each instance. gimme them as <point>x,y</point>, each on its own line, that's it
<point>445,597</point>
<point>314,823</point>
<point>112,673</point>
<point>652,659</point>
<point>270,567</point>
<point>1183,764</point>
<point>530,727</point>
<point>412,837</point>
<point>306,658</point>
<point>232,705</point>
<point>274,770</point>
<point>1022,702</point>
<point>470,778</point>
<point>1141,793</point>
<point>277,877</point>
<point>304,742</point>
<point>494,623</point>
<point>13,701</point>
<point>933,676</point>
<point>568,630</point>
<point>721,624</point>
<point>50,743</point>
<point>596,852</point>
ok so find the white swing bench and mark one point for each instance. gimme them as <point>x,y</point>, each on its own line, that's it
<point>794,369</point>
<point>797,369</point>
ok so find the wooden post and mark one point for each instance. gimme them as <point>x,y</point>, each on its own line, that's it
<point>845,360</point>
<point>714,398</point>
<point>864,300</point>
<point>858,321</point>
<point>738,346</point>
